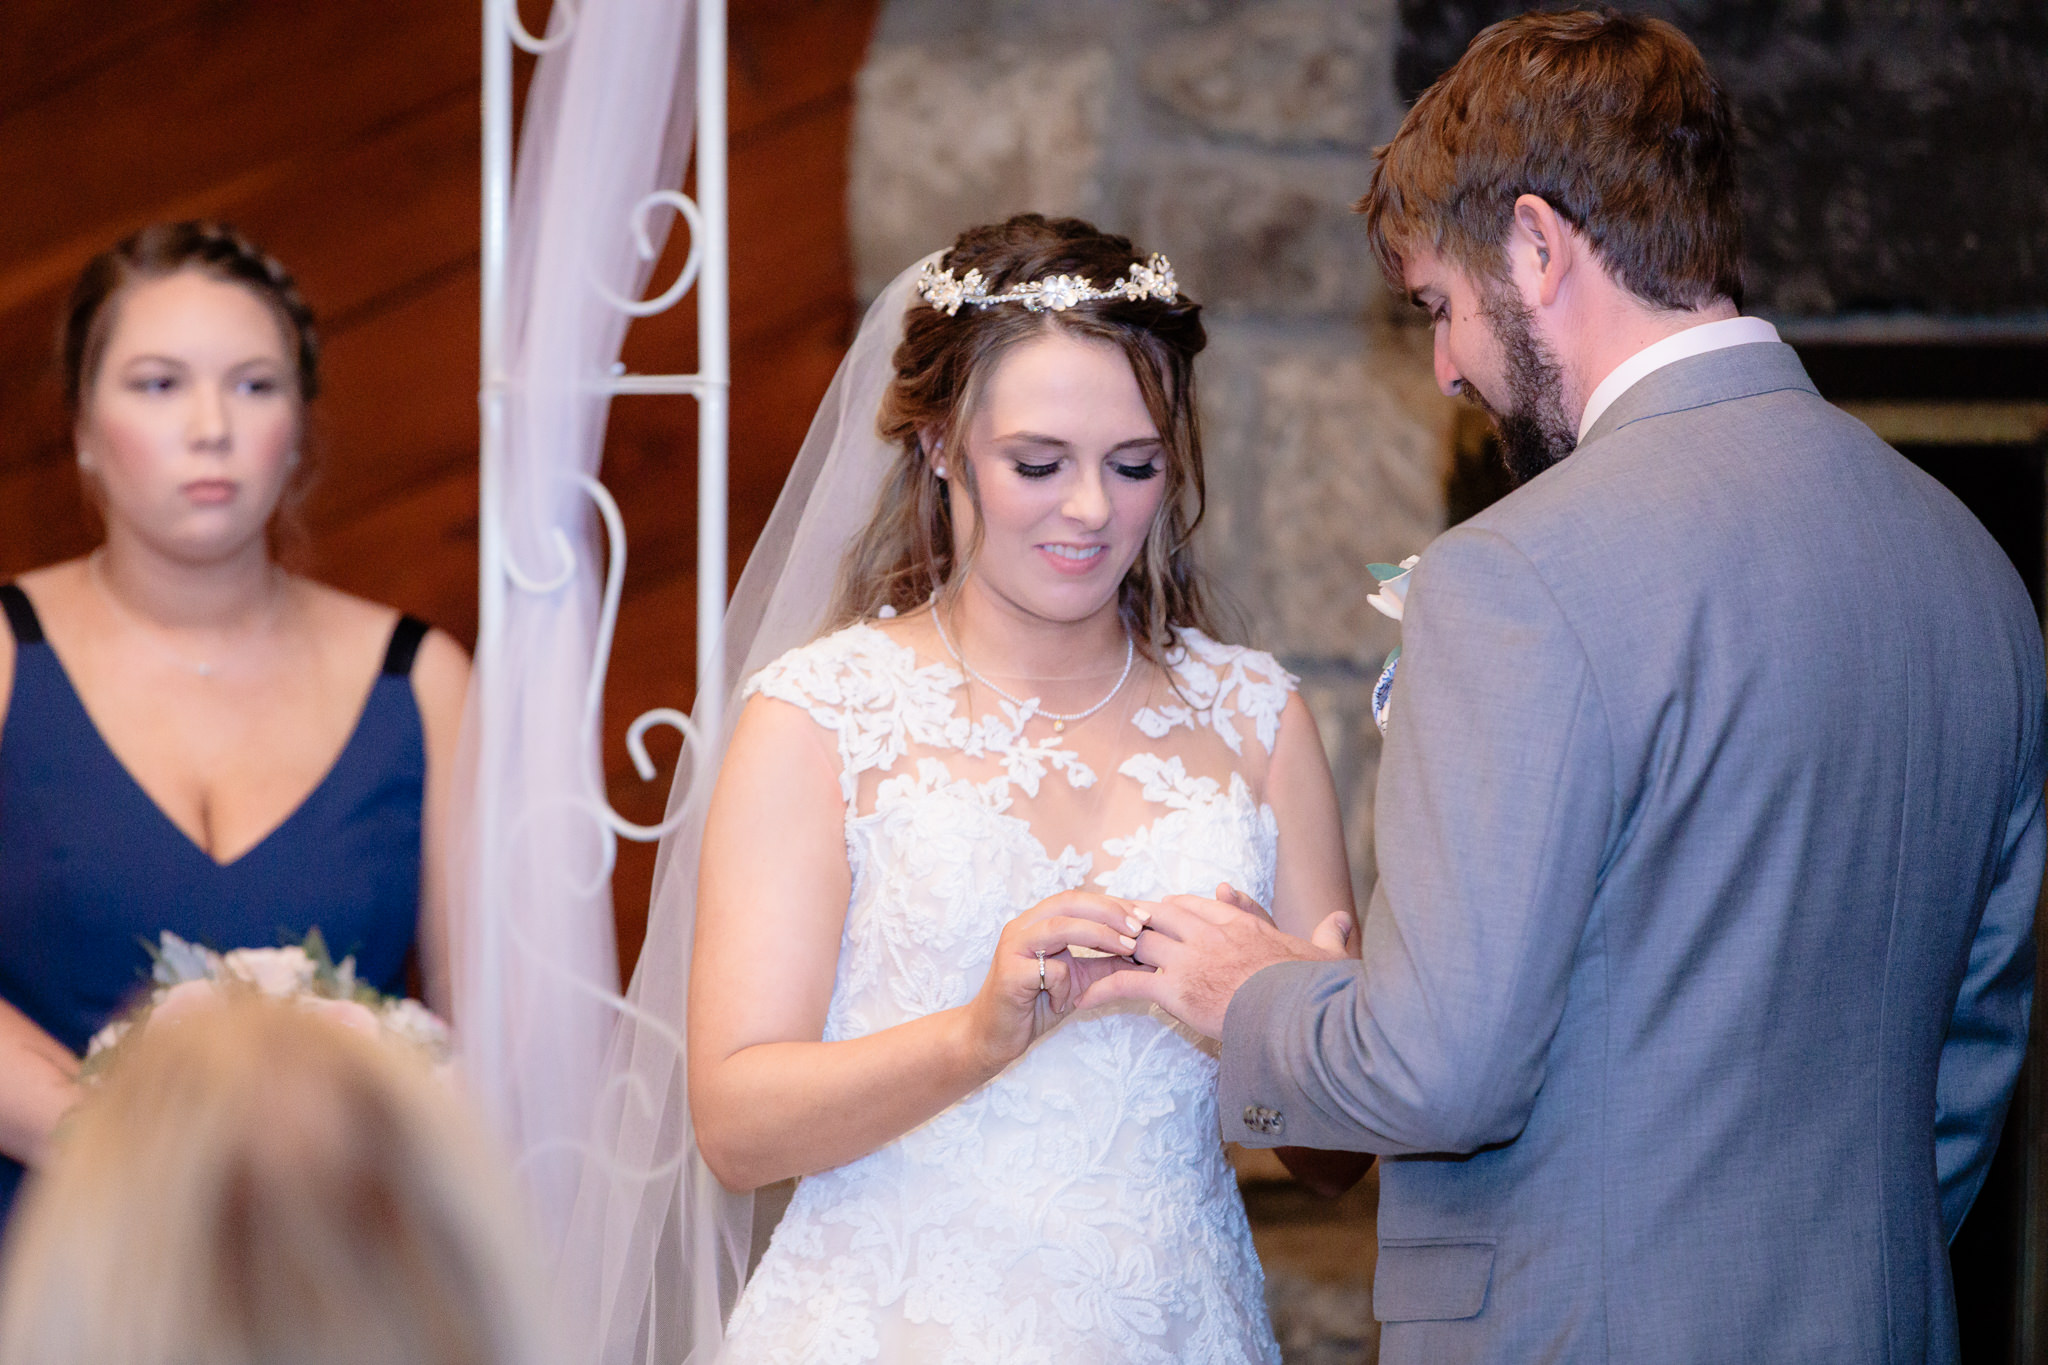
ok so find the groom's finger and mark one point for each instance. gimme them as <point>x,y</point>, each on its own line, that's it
<point>1178,922</point>
<point>1198,909</point>
<point>1230,895</point>
<point>1161,950</point>
<point>1123,982</point>
<point>1084,972</point>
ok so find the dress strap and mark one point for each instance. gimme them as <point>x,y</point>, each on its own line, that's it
<point>405,645</point>
<point>21,614</point>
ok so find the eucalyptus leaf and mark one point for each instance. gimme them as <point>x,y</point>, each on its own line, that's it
<point>178,961</point>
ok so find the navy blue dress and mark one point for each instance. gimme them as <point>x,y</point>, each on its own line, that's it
<point>91,869</point>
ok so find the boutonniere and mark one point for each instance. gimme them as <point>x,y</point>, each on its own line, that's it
<point>1393,580</point>
<point>1391,600</point>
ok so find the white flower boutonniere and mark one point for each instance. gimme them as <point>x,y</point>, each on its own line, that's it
<point>1393,580</point>
<point>1391,600</point>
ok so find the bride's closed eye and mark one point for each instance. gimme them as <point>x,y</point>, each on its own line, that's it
<point>1137,473</point>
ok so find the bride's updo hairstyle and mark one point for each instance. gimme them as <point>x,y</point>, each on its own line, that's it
<point>906,553</point>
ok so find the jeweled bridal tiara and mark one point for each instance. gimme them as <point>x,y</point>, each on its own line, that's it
<point>1055,293</point>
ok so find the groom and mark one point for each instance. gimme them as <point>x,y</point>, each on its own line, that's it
<point>1710,819</point>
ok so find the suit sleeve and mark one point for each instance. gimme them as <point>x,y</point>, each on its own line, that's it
<point>1495,805</point>
<point>1987,1035</point>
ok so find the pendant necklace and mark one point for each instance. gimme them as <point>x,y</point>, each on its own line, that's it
<point>1059,722</point>
<point>204,668</point>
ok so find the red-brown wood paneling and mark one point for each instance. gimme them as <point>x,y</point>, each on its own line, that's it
<point>345,138</point>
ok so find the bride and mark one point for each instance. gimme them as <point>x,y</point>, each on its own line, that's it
<point>938,820</point>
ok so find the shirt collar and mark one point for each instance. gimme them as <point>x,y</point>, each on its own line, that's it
<point>1707,336</point>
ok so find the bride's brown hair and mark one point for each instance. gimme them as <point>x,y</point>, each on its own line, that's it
<point>906,555</point>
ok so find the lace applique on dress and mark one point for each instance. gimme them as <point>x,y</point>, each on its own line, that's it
<point>1222,683</point>
<point>871,693</point>
<point>1078,1208</point>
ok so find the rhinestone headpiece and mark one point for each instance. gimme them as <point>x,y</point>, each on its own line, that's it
<point>1055,293</point>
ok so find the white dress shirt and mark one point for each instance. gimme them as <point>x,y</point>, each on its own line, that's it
<point>1708,336</point>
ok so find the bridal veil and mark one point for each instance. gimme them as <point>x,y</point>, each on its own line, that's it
<point>657,1249</point>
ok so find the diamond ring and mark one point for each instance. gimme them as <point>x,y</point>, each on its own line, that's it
<point>1041,969</point>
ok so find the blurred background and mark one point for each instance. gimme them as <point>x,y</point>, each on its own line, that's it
<point>1896,197</point>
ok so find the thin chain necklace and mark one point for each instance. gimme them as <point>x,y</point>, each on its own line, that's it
<point>205,668</point>
<point>1059,722</point>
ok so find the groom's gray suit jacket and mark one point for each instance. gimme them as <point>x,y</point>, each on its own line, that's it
<point>1710,835</point>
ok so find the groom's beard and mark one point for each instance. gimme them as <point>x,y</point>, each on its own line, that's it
<point>1533,430</point>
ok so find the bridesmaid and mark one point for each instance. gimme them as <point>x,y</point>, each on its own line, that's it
<point>192,738</point>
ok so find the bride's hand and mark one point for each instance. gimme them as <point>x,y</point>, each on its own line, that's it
<point>1002,1018</point>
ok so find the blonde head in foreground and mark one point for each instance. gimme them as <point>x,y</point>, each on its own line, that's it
<point>257,1186</point>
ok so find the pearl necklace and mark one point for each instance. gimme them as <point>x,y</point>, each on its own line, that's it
<point>1059,722</point>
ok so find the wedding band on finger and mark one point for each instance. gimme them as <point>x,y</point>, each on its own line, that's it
<point>1041,969</point>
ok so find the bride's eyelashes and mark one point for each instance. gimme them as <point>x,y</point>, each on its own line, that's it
<point>1137,473</point>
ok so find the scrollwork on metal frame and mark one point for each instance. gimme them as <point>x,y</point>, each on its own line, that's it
<point>534,583</point>
<point>593,698</point>
<point>613,824</point>
<point>643,242</point>
<point>561,26</point>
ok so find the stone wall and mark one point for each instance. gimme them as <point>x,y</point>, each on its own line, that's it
<point>1234,137</point>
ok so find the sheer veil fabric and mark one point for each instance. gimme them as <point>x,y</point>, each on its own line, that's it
<point>657,1249</point>
<point>608,122</point>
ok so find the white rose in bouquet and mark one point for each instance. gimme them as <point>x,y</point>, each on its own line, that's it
<point>278,972</point>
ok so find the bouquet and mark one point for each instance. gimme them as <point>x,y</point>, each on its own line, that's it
<point>187,977</point>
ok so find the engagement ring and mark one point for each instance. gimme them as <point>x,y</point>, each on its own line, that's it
<point>1041,969</point>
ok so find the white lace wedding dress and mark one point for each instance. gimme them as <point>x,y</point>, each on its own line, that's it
<point>1079,1207</point>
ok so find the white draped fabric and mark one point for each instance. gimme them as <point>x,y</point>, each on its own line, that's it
<point>607,125</point>
<point>657,1248</point>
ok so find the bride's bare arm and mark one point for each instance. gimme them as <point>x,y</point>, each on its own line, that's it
<point>1313,880</point>
<point>769,1099</point>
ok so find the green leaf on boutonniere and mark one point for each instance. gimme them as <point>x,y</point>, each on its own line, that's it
<point>1383,572</point>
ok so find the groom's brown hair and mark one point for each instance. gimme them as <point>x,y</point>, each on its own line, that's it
<point>1613,119</point>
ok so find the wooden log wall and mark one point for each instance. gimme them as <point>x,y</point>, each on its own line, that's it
<point>345,138</point>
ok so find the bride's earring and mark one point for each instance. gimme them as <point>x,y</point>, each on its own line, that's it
<point>938,468</point>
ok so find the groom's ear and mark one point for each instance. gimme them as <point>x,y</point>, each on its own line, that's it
<point>1541,250</point>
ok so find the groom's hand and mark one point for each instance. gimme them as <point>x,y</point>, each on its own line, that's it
<point>1200,951</point>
